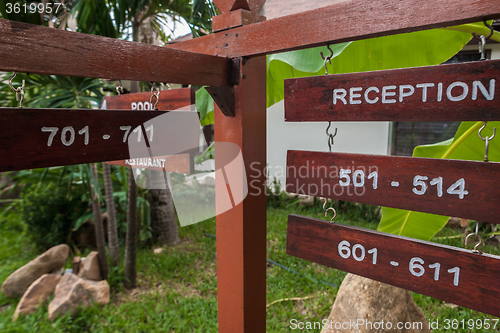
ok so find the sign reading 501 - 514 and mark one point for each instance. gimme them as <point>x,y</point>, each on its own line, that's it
<point>456,92</point>
<point>467,189</point>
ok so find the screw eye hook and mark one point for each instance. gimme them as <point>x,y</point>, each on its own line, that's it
<point>155,95</point>
<point>486,139</point>
<point>18,90</point>
<point>329,209</point>
<point>327,59</point>
<point>330,136</point>
<point>476,234</point>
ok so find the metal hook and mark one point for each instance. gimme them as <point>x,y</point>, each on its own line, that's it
<point>330,136</point>
<point>482,40</point>
<point>487,139</point>
<point>119,88</point>
<point>477,237</point>
<point>329,209</point>
<point>156,95</point>
<point>327,59</point>
<point>17,90</point>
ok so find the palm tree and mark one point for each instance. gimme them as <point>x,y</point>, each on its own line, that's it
<point>99,230</point>
<point>114,247</point>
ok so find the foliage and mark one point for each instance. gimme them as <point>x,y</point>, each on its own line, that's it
<point>50,91</point>
<point>49,214</point>
<point>466,145</point>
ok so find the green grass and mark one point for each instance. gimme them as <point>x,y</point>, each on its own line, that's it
<point>177,290</point>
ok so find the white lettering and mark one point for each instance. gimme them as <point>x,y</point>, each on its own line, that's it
<point>134,105</point>
<point>424,87</point>
<point>402,93</point>
<point>386,93</point>
<point>339,94</point>
<point>352,95</point>
<point>478,84</point>
<point>465,91</point>
<point>371,101</point>
<point>440,92</point>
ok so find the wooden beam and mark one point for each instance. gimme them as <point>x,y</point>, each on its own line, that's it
<point>456,92</point>
<point>348,20</point>
<point>467,189</point>
<point>447,273</point>
<point>241,231</point>
<point>36,138</point>
<point>36,49</point>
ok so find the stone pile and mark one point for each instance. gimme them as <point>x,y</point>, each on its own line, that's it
<point>38,279</point>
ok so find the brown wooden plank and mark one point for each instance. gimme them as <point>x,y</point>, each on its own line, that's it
<point>472,285</point>
<point>25,134</point>
<point>172,163</point>
<point>456,92</point>
<point>169,100</point>
<point>241,230</point>
<point>347,20</point>
<point>36,49</point>
<point>320,174</point>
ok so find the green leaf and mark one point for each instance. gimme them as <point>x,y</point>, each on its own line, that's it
<point>301,63</point>
<point>422,48</point>
<point>204,102</point>
<point>466,145</point>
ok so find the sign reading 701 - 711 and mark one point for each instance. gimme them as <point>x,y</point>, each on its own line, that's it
<point>36,138</point>
<point>454,92</point>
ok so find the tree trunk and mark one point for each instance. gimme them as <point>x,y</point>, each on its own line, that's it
<point>114,248</point>
<point>163,220</point>
<point>99,229</point>
<point>131,238</point>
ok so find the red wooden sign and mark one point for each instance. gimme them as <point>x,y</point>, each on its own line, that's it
<point>451,274</point>
<point>36,138</point>
<point>457,92</point>
<point>181,163</point>
<point>467,189</point>
<point>168,100</point>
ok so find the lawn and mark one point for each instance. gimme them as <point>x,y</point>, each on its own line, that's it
<point>177,290</point>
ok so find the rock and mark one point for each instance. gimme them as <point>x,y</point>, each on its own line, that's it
<point>75,264</point>
<point>376,305</point>
<point>59,271</point>
<point>99,290</point>
<point>73,291</point>
<point>158,250</point>
<point>19,281</point>
<point>89,267</point>
<point>464,223</point>
<point>37,293</point>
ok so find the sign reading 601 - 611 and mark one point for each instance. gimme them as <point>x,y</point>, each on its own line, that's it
<point>467,189</point>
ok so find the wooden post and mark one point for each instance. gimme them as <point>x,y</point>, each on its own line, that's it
<point>241,231</point>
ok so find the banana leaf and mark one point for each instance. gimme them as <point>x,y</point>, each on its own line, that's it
<point>466,145</point>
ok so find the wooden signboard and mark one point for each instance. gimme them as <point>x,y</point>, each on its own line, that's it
<point>181,163</point>
<point>456,92</point>
<point>36,138</point>
<point>169,100</point>
<point>451,274</point>
<point>466,189</point>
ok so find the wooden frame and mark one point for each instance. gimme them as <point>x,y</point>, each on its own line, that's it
<point>241,232</point>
